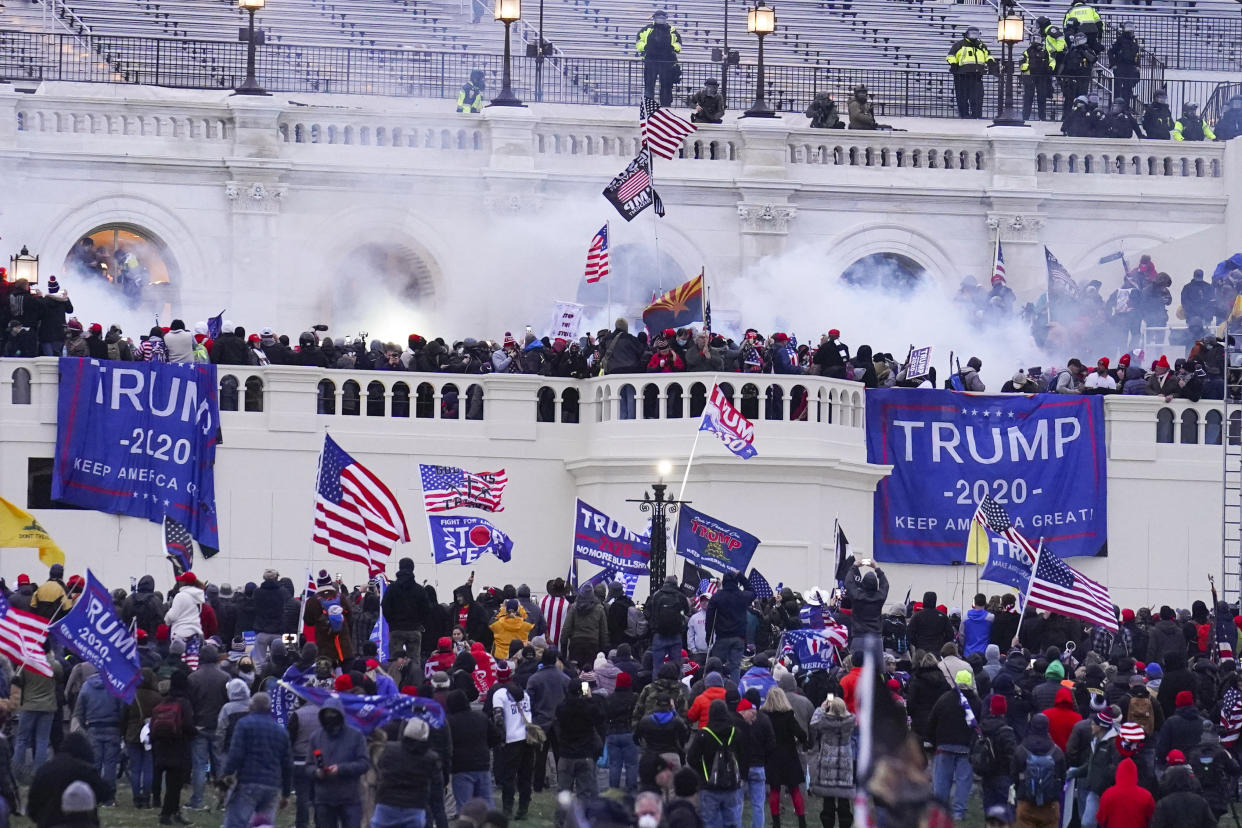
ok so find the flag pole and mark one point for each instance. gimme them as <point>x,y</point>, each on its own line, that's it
<point>694,448</point>
<point>608,235</point>
<point>431,541</point>
<point>656,224</point>
<point>1026,595</point>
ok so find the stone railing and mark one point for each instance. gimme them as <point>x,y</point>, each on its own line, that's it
<point>187,122</point>
<point>1167,159</point>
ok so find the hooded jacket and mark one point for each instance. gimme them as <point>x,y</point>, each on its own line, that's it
<point>947,724</point>
<point>406,604</point>
<point>143,607</point>
<point>406,771</point>
<point>474,735</point>
<point>508,628</point>
<point>992,664</point>
<point>182,617</point>
<point>720,734</point>
<point>233,711</point>
<point>1166,639</point>
<point>586,623</point>
<point>867,593</point>
<point>1062,717</point>
<point>580,725</point>
<point>136,713</point>
<point>476,617</point>
<point>1181,731</point>
<point>929,629</point>
<point>207,689</point>
<point>1125,804</point>
<point>1037,741</point>
<point>342,745</point>
<point>727,609</point>
<point>74,762</point>
<point>830,762</point>
<point>533,614</point>
<point>269,603</point>
<point>546,689</point>
<point>96,707</point>
<point>260,753</point>
<point>976,630</point>
<point>1176,679</point>
<point>1181,805</point>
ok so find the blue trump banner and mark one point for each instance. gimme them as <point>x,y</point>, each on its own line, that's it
<point>727,423</point>
<point>466,539</point>
<point>94,632</point>
<point>369,712</point>
<point>139,438</point>
<point>713,544</point>
<point>1040,456</point>
<point>604,541</point>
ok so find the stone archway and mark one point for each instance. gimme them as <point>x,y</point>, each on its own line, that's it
<point>129,261</point>
<point>392,287</point>
<point>890,272</point>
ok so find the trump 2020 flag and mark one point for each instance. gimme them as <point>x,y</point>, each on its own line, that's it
<point>94,632</point>
<point>465,539</point>
<point>727,423</point>
<point>369,712</point>
<point>713,544</point>
<point>605,541</point>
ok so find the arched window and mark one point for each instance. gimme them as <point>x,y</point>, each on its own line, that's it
<point>545,405</point>
<point>569,405</point>
<point>254,393</point>
<point>474,402</point>
<point>21,387</point>
<point>400,399</point>
<point>129,260</point>
<point>375,399</point>
<point>327,397</point>
<point>425,401</point>
<point>1211,428</point>
<point>1190,426</point>
<point>1235,428</point>
<point>651,401</point>
<point>698,399</point>
<point>228,393</point>
<point>726,388</point>
<point>673,402</point>
<point>351,398</point>
<point>626,395</point>
<point>798,403</point>
<point>750,401</point>
<point>1164,425</point>
<point>601,405</point>
<point>449,402</point>
<point>774,408</point>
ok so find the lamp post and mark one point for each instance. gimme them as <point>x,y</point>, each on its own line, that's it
<point>760,21</point>
<point>1009,30</point>
<point>660,506</point>
<point>253,38</point>
<point>507,12</point>
<point>24,266</point>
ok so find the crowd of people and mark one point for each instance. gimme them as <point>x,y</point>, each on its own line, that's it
<point>688,710</point>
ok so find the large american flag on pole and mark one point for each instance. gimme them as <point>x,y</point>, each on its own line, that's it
<point>448,487</point>
<point>356,516</point>
<point>1058,587</point>
<point>663,130</point>
<point>597,256</point>
<point>22,635</point>
<point>998,267</point>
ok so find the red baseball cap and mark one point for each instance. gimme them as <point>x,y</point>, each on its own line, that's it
<point>23,579</point>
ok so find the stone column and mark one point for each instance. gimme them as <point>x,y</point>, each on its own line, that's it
<point>1015,210</point>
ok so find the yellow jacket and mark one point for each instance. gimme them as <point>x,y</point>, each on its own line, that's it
<point>48,594</point>
<point>966,56</point>
<point>506,629</point>
<point>641,44</point>
<point>1084,14</point>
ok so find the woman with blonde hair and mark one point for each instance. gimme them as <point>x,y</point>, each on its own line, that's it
<point>831,762</point>
<point>784,766</point>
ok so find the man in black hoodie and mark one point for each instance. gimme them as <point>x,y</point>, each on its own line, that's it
<point>72,762</point>
<point>468,613</point>
<point>1176,679</point>
<point>580,728</point>
<point>867,591</point>
<point>405,607</point>
<point>726,621</point>
<point>269,604</point>
<point>666,613</point>
<point>143,608</point>
<point>929,628</point>
<point>1166,638</point>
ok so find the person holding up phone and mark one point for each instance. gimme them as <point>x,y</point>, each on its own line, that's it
<point>580,728</point>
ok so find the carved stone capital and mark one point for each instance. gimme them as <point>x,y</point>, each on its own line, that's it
<point>765,218</point>
<point>512,203</point>
<point>255,196</point>
<point>1016,227</point>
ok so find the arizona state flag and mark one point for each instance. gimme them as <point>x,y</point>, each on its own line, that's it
<point>677,308</point>
<point>19,528</point>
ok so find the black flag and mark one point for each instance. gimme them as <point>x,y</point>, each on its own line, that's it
<point>844,559</point>
<point>630,192</point>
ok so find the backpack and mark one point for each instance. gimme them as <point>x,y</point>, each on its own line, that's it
<point>166,722</point>
<point>1041,785</point>
<point>114,350</point>
<point>636,625</point>
<point>667,615</point>
<point>233,719</point>
<point>725,774</point>
<point>983,754</point>
<point>1139,712</point>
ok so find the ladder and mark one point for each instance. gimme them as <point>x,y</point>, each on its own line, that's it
<point>1231,490</point>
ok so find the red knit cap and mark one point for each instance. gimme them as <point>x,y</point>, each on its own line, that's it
<point>998,706</point>
<point>409,690</point>
<point>744,705</point>
<point>1184,698</point>
<point>624,681</point>
<point>1127,615</point>
<point>343,683</point>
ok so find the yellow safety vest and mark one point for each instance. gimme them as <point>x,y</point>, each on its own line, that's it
<point>1083,14</point>
<point>470,99</point>
<point>641,44</point>
<point>967,56</point>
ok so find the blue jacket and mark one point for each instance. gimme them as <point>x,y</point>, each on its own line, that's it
<point>347,749</point>
<point>976,631</point>
<point>269,606</point>
<point>726,611</point>
<point>760,677</point>
<point>259,753</point>
<point>96,707</point>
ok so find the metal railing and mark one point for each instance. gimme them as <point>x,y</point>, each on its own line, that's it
<point>210,64</point>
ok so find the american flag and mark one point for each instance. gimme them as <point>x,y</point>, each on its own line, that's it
<point>192,645</point>
<point>1059,280</point>
<point>662,130</point>
<point>1060,588</point>
<point>597,256</point>
<point>1230,717</point>
<point>992,515</point>
<point>356,516</point>
<point>448,487</point>
<point>554,609</point>
<point>178,546</point>
<point>22,635</point>
<point>635,184</point>
<point>760,586</point>
<point>998,269</point>
<point>708,587</point>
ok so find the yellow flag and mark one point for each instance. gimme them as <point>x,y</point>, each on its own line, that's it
<point>977,544</point>
<point>19,528</point>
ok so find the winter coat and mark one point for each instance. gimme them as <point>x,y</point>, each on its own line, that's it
<point>1062,717</point>
<point>623,354</point>
<point>347,749</point>
<point>269,603</point>
<point>406,772</point>
<point>586,623</point>
<point>929,630</point>
<point>831,758</point>
<point>337,645</point>
<point>1217,772</point>
<point>1004,744</point>
<point>1036,742</point>
<point>698,709</point>
<point>506,629</point>
<point>1181,805</point>
<point>1125,804</point>
<point>182,617</point>
<point>96,706</point>
<point>175,752</point>
<point>137,713</point>
<point>260,754</point>
<point>926,687</point>
<point>867,605</point>
<point>662,732</point>
<point>69,764</point>
<point>405,604</point>
<point>726,611</point>
<point>1165,639</point>
<point>142,606</point>
<point>976,631</point>
<point>546,689</point>
<point>657,696</point>
<point>1004,628</point>
<point>474,734</point>
<point>783,766</point>
<point>580,727</point>
<point>208,694</point>
<point>1181,731</point>
<point>720,734</point>
<point>1176,679</point>
<point>947,725</point>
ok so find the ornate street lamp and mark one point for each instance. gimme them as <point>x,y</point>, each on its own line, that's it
<point>24,266</point>
<point>507,12</point>
<point>253,38</point>
<point>660,506</point>
<point>760,21</point>
<point>1009,30</point>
